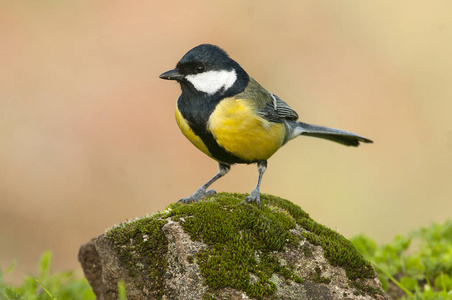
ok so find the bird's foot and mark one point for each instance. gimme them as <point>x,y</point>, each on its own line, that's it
<point>200,194</point>
<point>255,196</point>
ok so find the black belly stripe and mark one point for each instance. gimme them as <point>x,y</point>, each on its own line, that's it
<point>216,150</point>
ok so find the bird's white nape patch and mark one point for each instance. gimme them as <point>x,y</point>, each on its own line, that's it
<point>211,82</point>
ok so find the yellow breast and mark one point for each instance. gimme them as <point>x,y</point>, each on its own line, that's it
<point>189,134</point>
<point>237,128</point>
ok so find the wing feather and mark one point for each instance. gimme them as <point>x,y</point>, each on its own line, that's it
<point>278,111</point>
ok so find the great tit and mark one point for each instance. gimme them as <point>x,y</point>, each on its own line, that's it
<point>229,116</point>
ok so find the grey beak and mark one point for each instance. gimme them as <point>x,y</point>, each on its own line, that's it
<point>172,75</point>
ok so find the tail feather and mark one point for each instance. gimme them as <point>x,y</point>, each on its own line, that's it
<point>336,135</point>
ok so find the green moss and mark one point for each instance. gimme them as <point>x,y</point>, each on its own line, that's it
<point>190,259</point>
<point>318,278</point>
<point>242,243</point>
<point>209,296</point>
<point>365,289</point>
<point>338,250</point>
<point>142,247</point>
<point>307,251</point>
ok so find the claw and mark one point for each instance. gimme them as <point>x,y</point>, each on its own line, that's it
<point>200,194</point>
<point>255,196</point>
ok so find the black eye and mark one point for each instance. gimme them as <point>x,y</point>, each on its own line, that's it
<point>199,68</point>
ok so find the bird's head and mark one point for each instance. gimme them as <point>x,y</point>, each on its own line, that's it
<point>208,69</point>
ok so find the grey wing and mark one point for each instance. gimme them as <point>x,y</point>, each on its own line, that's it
<point>278,111</point>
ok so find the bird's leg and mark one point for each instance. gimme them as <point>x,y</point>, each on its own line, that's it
<point>202,192</point>
<point>255,195</point>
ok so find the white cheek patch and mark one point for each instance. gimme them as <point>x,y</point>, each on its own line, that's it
<point>211,82</point>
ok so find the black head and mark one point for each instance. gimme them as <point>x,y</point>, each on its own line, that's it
<point>208,69</point>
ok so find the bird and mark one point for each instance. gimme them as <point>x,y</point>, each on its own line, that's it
<point>230,117</point>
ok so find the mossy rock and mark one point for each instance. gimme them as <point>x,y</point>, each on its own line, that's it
<point>223,248</point>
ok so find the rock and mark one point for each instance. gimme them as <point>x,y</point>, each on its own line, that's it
<point>221,248</point>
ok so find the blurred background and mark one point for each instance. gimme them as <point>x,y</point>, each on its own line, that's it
<point>88,137</point>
